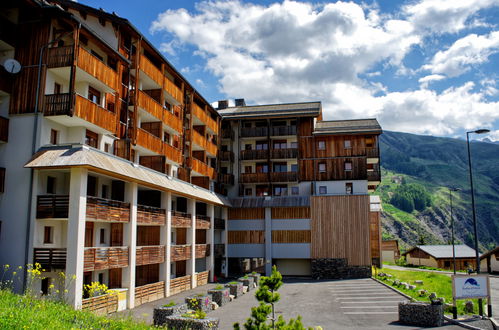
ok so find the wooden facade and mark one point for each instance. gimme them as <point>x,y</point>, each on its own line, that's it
<point>246,213</point>
<point>290,213</point>
<point>246,237</point>
<point>180,284</point>
<point>375,237</point>
<point>101,305</point>
<point>291,236</point>
<point>99,258</point>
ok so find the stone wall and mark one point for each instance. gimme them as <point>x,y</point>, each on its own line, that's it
<point>327,268</point>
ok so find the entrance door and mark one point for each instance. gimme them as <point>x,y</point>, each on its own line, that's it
<point>89,234</point>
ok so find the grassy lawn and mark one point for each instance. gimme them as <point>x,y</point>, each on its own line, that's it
<point>432,282</point>
<point>24,312</point>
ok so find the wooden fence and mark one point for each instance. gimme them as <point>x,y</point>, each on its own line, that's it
<point>149,292</point>
<point>101,305</point>
<point>180,284</point>
<point>202,278</point>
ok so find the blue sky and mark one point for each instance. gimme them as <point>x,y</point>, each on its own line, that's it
<point>426,67</point>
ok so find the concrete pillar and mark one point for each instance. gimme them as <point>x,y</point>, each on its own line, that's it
<point>165,238</point>
<point>76,235</point>
<point>225,240</point>
<point>32,227</point>
<point>268,241</point>
<point>130,240</point>
<point>191,239</point>
<point>210,239</point>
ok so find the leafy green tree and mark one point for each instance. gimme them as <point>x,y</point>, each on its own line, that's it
<point>410,197</point>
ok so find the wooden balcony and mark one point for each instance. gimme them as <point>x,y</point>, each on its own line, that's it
<point>284,153</point>
<point>203,222</point>
<point>147,255</point>
<point>202,250</point>
<point>253,131</point>
<point>202,168</point>
<point>155,144</point>
<point>203,142</point>
<point>50,259</point>
<point>180,252</point>
<point>172,153</point>
<point>151,70</point>
<point>100,209</point>
<point>225,178</point>
<point>101,305</point>
<point>254,177</point>
<point>180,284</point>
<point>282,130</point>
<point>4,129</point>
<point>57,105</point>
<point>59,57</point>
<point>205,118</point>
<point>253,154</point>
<point>154,108</point>
<point>148,215</point>
<point>149,292</point>
<point>219,223</point>
<point>372,152</point>
<point>202,277</point>
<point>284,176</point>
<point>99,258</point>
<point>227,156</point>
<point>374,175</point>
<point>52,206</point>
<point>227,133</point>
<point>95,114</point>
<point>174,91</point>
<point>219,250</point>
<point>181,220</point>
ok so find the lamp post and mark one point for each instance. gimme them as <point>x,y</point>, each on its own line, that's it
<point>452,228</point>
<point>478,131</point>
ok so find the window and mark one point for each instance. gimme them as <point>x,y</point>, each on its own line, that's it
<point>294,144</point>
<point>105,191</point>
<point>57,88</point>
<point>93,52</point>
<point>347,144</point>
<point>248,192</point>
<point>322,167</point>
<point>321,145</point>
<point>94,95</point>
<point>295,191</point>
<point>48,235</point>
<point>110,106</point>
<point>101,278</point>
<point>248,169</point>
<point>446,264</point>
<point>280,167</point>
<point>322,190</point>
<point>91,138</point>
<point>45,285</point>
<point>349,188</point>
<point>224,170</point>
<point>348,166</point>
<point>102,236</point>
<point>280,190</point>
<point>247,124</point>
<point>53,136</point>
<point>262,190</point>
<point>262,168</point>
<point>279,144</point>
<point>262,146</point>
<point>248,147</point>
<point>369,142</point>
<point>294,167</point>
<point>107,147</point>
<point>224,147</point>
<point>50,185</point>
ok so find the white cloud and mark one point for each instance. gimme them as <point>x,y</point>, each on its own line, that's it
<point>426,80</point>
<point>465,52</point>
<point>493,135</point>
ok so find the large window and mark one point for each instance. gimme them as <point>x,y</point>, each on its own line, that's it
<point>295,190</point>
<point>48,235</point>
<point>349,188</point>
<point>321,145</point>
<point>279,144</point>
<point>322,190</point>
<point>94,95</point>
<point>262,168</point>
<point>50,185</point>
<point>347,144</point>
<point>322,167</point>
<point>280,167</point>
<point>91,138</point>
<point>281,190</point>
<point>348,166</point>
<point>262,145</point>
<point>262,190</point>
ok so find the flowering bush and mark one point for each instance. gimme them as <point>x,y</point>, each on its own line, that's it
<point>95,289</point>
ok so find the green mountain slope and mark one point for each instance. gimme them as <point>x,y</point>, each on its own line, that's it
<point>437,163</point>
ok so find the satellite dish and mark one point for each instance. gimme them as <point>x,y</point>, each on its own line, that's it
<point>12,66</point>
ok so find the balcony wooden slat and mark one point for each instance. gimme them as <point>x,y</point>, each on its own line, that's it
<point>172,153</point>
<point>100,258</point>
<point>227,156</point>
<point>148,215</point>
<point>147,255</point>
<point>284,176</point>
<point>4,129</point>
<point>52,206</point>
<point>101,305</point>
<point>283,130</point>
<point>204,143</point>
<point>180,284</point>
<point>50,258</point>
<point>91,112</point>
<point>202,277</point>
<point>180,252</point>
<point>97,68</point>
<point>107,210</point>
<point>203,222</point>
<point>181,220</point>
<point>253,131</point>
<point>202,168</point>
<point>253,154</point>
<point>225,178</point>
<point>254,177</point>
<point>149,292</point>
<point>373,175</point>
<point>173,90</point>
<point>57,104</point>
<point>59,57</point>
<point>202,250</point>
<point>151,70</point>
<point>284,153</point>
<point>205,118</point>
<point>154,108</point>
<point>155,144</point>
<point>227,133</point>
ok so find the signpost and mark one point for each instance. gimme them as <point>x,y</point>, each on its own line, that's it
<point>471,286</point>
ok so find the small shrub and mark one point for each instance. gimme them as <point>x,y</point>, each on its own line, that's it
<point>170,304</point>
<point>198,314</point>
<point>234,282</point>
<point>219,287</point>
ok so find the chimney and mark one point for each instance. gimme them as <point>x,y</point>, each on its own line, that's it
<point>223,104</point>
<point>240,102</point>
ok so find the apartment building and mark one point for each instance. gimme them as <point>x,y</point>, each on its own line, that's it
<point>113,168</point>
<point>299,188</point>
<point>108,156</point>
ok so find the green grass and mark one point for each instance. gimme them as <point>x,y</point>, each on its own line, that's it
<point>25,312</point>
<point>432,282</point>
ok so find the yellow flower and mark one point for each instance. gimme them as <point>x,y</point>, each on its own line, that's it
<point>20,267</point>
<point>51,286</point>
<point>6,266</point>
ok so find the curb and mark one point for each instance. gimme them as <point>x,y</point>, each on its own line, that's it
<point>495,324</point>
<point>393,289</point>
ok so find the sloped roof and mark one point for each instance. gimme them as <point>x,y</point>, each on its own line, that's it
<point>83,156</point>
<point>491,252</point>
<point>445,251</point>
<point>306,109</point>
<point>353,126</point>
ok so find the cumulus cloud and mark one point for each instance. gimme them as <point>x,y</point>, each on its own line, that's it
<point>470,50</point>
<point>295,51</point>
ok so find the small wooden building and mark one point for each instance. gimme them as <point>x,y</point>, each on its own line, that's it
<point>390,250</point>
<point>489,261</point>
<point>440,256</point>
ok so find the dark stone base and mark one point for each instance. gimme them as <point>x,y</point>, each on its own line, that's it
<point>199,302</point>
<point>335,269</point>
<point>421,314</point>
<point>180,322</point>
<point>160,313</point>
<point>221,297</point>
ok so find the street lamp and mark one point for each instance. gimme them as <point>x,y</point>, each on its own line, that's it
<point>452,228</point>
<point>478,131</point>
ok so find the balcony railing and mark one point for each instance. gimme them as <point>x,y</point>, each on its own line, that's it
<point>181,220</point>
<point>147,255</point>
<point>205,118</point>
<point>373,175</point>
<point>203,142</point>
<point>253,154</point>
<point>148,215</point>
<point>226,178</point>
<point>284,153</point>
<point>203,222</point>
<point>4,129</point>
<point>219,223</point>
<point>95,114</point>
<point>180,252</point>
<point>57,105</point>
<point>254,177</point>
<point>149,292</point>
<point>283,176</point>
<point>151,70</point>
<point>180,284</point>
<point>227,156</point>
<point>202,250</point>
<point>60,56</point>
<point>202,168</point>
<point>101,305</point>
<point>219,250</point>
<point>372,152</point>
<point>99,258</point>
<point>155,144</point>
<point>154,108</point>
<point>227,133</point>
<point>174,91</point>
<point>52,206</point>
<point>282,130</point>
<point>253,131</point>
<point>202,277</point>
<point>51,258</point>
<point>107,210</point>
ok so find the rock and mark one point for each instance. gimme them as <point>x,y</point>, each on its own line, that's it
<point>247,281</point>
<point>396,282</point>
<point>220,296</point>
<point>422,293</point>
<point>214,305</point>
<point>441,299</point>
<point>418,282</point>
<point>232,297</point>
<point>412,287</point>
<point>236,288</point>
<point>432,295</point>
<point>245,289</point>
<point>468,307</point>
<point>254,285</point>
<point>181,322</point>
<point>448,308</point>
<point>407,287</point>
<point>389,275</point>
<point>161,312</point>
<point>338,268</point>
<point>404,284</point>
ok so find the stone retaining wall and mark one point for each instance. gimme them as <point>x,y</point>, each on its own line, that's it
<point>329,268</point>
<point>421,314</point>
